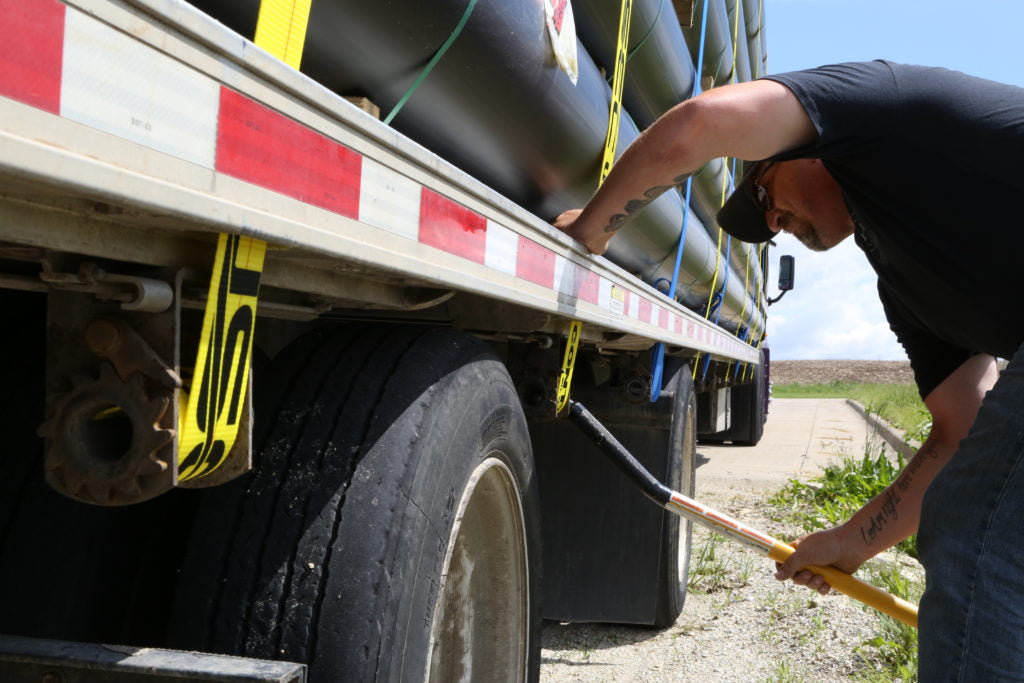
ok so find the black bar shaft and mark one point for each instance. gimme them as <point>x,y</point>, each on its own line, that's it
<point>617,453</point>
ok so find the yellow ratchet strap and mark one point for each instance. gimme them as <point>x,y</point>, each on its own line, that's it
<point>568,363</point>
<point>281,29</point>
<point>611,142</point>
<point>221,379</point>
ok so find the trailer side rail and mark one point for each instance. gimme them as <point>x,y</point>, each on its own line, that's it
<point>152,105</point>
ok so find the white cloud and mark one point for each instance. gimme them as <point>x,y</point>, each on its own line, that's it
<point>834,311</point>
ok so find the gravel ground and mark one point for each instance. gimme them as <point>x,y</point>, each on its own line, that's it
<point>739,623</point>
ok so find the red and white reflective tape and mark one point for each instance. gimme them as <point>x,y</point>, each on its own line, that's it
<point>738,531</point>
<point>64,61</point>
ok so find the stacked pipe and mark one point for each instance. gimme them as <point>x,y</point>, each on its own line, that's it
<point>658,76</point>
<point>497,106</point>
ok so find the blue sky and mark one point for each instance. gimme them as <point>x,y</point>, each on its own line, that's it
<point>834,310</point>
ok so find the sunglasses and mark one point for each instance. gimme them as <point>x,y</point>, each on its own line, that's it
<point>761,196</point>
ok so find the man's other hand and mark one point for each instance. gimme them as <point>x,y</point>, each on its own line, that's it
<point>567,222</point>
<point>566,219</point>
<point>822,549</point>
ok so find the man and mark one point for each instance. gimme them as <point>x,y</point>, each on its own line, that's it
<point>921,166</point>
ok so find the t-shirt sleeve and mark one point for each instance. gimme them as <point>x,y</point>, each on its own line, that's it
<point>931,358</point>
<point>849,104</point>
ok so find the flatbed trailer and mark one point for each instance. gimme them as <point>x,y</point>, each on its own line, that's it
<point>409,468</point>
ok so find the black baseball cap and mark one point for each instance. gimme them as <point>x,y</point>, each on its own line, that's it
<point>741,216</point>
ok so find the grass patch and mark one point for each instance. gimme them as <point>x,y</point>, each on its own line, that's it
<point>895,645</point>
<point>897,404</point>
<point>716,566</point>
<point>783,673</point>
<point>841,490</point>
<point>830,500</point>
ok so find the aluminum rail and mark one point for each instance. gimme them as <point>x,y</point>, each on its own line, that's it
<point>36,659</point>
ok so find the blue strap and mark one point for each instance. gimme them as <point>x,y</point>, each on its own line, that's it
<point>743,338</point>
<point>659,348</point>
<point>718,303</point>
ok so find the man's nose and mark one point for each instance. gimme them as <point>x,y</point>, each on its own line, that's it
<point>772,218</point>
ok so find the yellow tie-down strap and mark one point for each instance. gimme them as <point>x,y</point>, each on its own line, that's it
<point>568,363</point>
<point>221,379</point>
<point>611,142</point>
<point>219,385</point>
<point>281,29</point>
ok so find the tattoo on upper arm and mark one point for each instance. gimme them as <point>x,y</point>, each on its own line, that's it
<point>633,206</point>
<point>894,494</point>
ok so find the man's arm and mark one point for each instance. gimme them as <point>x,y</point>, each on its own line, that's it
<point>751,120</point>
<point>893,515</point>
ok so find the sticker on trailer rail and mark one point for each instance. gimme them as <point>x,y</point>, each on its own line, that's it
<point>618,300</point>
<point>218,394</point>
<point>562,30</point>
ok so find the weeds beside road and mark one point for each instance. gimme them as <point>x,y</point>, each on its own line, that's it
<point>844,487</point>
<point>830,500</point>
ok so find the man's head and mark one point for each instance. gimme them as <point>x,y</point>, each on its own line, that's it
<point>799,197</point>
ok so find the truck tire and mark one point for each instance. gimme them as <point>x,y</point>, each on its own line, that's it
<point>677,532</point>
<point>748,407</point>
<point>390,529</point>
<point>748,404</point>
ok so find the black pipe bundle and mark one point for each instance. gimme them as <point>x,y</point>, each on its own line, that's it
<point>498,106</point>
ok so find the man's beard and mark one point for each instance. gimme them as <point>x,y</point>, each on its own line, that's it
<point>806,232</point>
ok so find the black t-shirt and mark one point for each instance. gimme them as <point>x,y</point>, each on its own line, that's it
<point>929,163</point>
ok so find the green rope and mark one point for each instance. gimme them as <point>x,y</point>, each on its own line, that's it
<point>433,62</point>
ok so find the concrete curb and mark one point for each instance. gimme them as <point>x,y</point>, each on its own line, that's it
<point>890,434</point>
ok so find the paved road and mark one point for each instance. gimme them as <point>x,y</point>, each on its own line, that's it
<point>800,438</point>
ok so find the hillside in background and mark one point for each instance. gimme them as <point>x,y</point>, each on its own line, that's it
<point>827,371</point>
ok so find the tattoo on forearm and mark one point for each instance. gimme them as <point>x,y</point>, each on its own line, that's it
<point>920,458</point>
<point>633,206</point>
<point>889,511</point>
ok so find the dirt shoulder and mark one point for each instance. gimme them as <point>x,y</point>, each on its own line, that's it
<point>739,624</point>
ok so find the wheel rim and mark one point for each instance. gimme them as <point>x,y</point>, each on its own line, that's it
<point>481,619</point>
<point>689,458</point>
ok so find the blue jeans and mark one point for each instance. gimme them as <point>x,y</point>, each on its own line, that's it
<point>971,542</point>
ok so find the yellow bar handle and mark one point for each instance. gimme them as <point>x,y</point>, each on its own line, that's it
<point>871,596</point>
